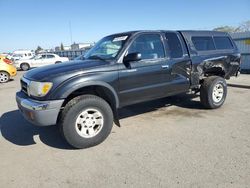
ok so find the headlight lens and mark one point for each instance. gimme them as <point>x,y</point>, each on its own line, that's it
<point>39,89</point>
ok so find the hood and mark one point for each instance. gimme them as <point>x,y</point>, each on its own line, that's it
<point>70,68</point>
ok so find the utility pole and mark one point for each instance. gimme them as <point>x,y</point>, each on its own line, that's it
<point>70,32</point>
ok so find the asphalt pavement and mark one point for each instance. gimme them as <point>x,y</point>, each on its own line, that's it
<point>171,142</point>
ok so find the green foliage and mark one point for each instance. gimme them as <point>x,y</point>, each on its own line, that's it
<point>38,49</point>
<point>62,47</point>
<point>226,28</point>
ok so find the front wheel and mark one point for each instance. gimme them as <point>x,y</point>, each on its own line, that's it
<point>25,66</point>
<point>86,121</point>
<point>213,92</point>
<point>4,77</point>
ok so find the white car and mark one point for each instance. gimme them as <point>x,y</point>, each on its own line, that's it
<point>39,60</point>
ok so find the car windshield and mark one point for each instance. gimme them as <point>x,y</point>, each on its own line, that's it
<point>17,55</point>
<point>107,48</point>
<point>36,57</point>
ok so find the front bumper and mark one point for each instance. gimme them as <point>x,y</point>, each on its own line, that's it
<point>13,72</point>
<point>41,113</point>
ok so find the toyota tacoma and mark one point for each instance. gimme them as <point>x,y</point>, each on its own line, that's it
<point>83,96</point>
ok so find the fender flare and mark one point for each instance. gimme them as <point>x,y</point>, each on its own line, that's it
<point>67,88</point>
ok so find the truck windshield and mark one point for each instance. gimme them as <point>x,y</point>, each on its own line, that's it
<point>107,48</point>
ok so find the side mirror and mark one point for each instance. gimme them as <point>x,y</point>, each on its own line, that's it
<point>132,57</point>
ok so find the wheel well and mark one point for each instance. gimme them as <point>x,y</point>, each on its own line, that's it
<point>99,91</point>
<point>24,63</point>
<point>5,72</point>
<point>215,71</point>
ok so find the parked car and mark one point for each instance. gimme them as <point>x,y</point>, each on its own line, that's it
<point>6,72</point>
<point>39,60</point>
<point>5,59</point>
<point>123,69</point>
<point>21,54</point>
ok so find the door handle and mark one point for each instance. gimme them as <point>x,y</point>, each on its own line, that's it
<point>165,66</point>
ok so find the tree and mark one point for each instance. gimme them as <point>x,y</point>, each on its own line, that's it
<point>62,47</point>
<point>38,49</point>
<point>229,29</point>
<point>243,27</point>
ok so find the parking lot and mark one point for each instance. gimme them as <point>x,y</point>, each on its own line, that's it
<point>172,142</point>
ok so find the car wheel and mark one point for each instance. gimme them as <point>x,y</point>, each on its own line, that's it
<point>58,62</point>
<point>25,66</point>
<point>4,77</point>
<point>86,121</point>
<point>213,92</point>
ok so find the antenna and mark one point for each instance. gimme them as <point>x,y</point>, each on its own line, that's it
<point>70,32</point>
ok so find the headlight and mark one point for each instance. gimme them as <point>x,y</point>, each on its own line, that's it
<point>39,89</point>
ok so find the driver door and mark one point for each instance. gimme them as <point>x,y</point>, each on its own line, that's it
<point>38,61</point>
<point>145,79</point>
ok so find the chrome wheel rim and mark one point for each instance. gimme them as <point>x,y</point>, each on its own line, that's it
<point>218,92</point>
<point>89,123</point>
<point>3,77</point>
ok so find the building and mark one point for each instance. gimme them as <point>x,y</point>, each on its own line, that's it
<point>78,46</point>
<point>58,48</point>
<point>74,50</point>
<point>242,41</point>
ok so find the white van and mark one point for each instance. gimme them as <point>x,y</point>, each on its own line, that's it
<point>22,54</point>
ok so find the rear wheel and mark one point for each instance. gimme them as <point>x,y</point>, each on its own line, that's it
<point>213,92</point>
<point>25,66</point>
<point>86,121</point>
<point>4,77</point>
<point>58,62</point>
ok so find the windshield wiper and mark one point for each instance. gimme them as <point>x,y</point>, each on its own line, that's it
<point>96,57</point>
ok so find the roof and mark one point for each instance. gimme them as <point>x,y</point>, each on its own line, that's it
<point>203,32</point>
<point>188,32</point>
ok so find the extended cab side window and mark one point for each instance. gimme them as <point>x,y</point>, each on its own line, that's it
<point>149,45</point>
<point>203,43</point>
<point>174,45</point>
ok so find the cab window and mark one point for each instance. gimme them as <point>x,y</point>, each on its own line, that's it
<point>149,45</point>
<point>174,45</point>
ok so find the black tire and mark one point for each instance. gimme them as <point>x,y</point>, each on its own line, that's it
<point>207,92</point>
<point>25,66</point>
<point>72,111</point>
<point>58,62</point>
<point>4,77</point>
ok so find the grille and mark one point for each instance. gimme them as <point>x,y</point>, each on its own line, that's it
<point>24,87</point>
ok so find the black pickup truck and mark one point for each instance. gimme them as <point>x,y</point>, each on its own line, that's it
<point>83,96</point>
